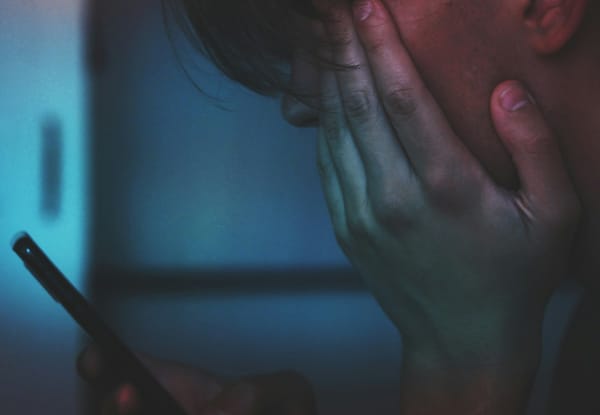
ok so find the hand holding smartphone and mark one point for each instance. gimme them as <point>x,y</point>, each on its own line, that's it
<point>156,399</point>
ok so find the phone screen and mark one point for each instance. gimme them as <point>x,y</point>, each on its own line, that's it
<point>155,399</point>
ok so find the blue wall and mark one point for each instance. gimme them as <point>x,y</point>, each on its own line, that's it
<point>180,182</point>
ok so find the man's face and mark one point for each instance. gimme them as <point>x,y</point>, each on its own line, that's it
<point>463,49</point>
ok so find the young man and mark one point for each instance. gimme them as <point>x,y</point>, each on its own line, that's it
<point>462,213</point>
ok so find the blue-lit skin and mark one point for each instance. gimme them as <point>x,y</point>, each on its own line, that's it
<point>463,263</point>
<point>455,259</point>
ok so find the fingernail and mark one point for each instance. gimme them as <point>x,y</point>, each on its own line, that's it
<point>362,10</point>
<point>515,98</point>
<point>126,400</point>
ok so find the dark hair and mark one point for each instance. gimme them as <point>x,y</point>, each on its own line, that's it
<point>250,41</point>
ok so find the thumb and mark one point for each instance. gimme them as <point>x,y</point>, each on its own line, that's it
<point>546,187</point>
<point>191,386</point>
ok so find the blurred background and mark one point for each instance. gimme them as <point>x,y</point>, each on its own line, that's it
<point>199,234</point>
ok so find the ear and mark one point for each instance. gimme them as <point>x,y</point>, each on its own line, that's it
<point>552,23</point>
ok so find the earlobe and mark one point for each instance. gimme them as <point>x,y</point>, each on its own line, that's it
<point>551,24</point>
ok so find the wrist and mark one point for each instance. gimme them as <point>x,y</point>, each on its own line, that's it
<point>473,338</point>
<point>486,390</point>
<point>485,370</point>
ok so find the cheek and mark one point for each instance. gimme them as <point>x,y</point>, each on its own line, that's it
<point>462,75</point>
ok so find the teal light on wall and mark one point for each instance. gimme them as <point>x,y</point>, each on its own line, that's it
<point>41,76</point>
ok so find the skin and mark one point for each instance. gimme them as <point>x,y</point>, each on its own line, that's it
<point>412,162</point>
<point>404,215</point>
<point>462,71</point>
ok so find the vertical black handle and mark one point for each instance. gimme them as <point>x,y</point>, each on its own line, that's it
<point>51,169</point>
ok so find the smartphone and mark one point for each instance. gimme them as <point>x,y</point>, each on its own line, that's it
<point>155,399</point>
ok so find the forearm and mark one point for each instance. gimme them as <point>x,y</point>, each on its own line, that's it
<point>484,377</point>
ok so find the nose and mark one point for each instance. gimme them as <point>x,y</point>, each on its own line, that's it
<point>298,113</point>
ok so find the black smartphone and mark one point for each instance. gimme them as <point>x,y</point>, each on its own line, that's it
<point>155,399</point>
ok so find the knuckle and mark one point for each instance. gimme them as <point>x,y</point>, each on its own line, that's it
<point>437,180</point>
<point>358,105</point>
<point>332,129</point>
<point>446,191</point>
<point>340,36</point>
<point>446,203</point>
<point>322,168</point>
<point>376,46</point>
<point>395,211</point>
<point>359,223</point>
<point>358,227</point>
<point>400,101</point>
<point>329,104</point>
<point>376,42</point>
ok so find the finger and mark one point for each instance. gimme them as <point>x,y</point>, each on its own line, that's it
<point>191,387</point>
<point>546,189</point>
<point>127,400</point>
<point>90,364</point>
<point>300,108</point>
<point>346,160</point>
<point>420,124</point>
<point>348,165</point>
<point>123,401</point>
<point>332,192</point>
<point>380,149</point>
<point>285,393</point>
<point>96,369</point>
